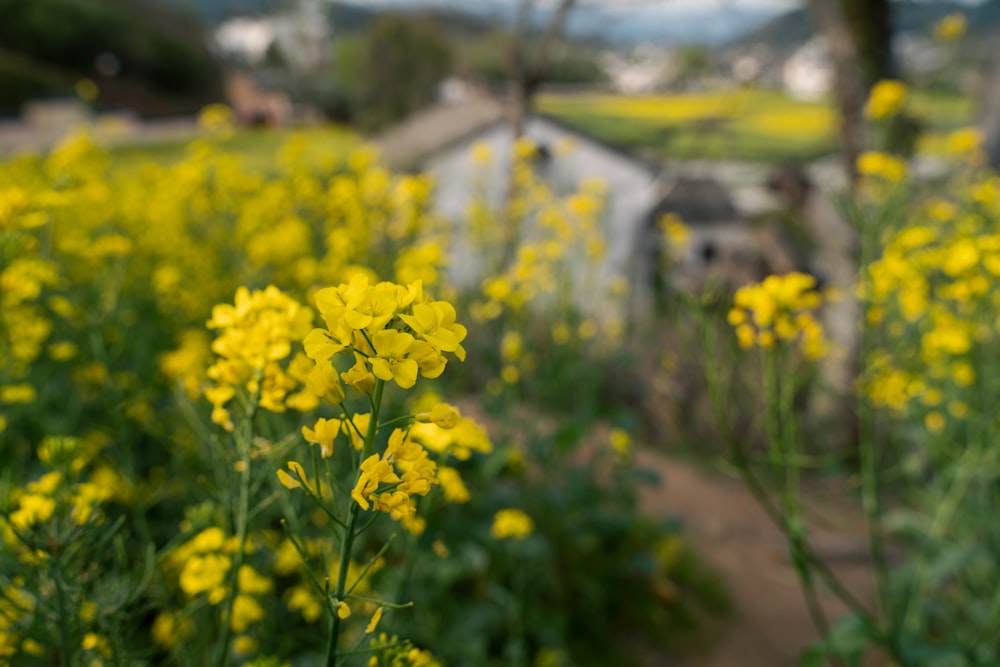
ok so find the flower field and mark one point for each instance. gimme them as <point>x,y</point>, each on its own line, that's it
<point>247,418</point>
<point>742,124</point>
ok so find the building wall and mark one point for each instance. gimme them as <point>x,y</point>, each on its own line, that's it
<point>631,192</point>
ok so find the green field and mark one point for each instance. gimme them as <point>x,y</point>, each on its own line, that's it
<point>738,124</point>
<point>257,149</point>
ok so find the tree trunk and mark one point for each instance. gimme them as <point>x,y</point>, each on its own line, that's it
<point>526,75</point>
<point>870,22</point>
<point>848,85</point>
<point>989,114</point>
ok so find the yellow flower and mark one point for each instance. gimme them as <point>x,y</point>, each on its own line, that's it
<point>951,27</point>
<point>95,642</point>
<point>442,414</point>
<point>246,611</point>
<point>32,509</point>
<point>435,323</point>
<point>343,611</point>
<point>481,153</point>
<point>965,143</point>
<point>886,99</point>
<point>392,362</point>
<point>440,548</point>
<point>779,309</point>
<point>452,485</point>
<point>511,523</point>
<point>86,90</point>
<point>17,393</point>
<point>324,382</point>
<point>677,233</point>
<point>303,600</point>
<point>881,165</point>
<point>205,573</point>
<point>621,443</point>
<point>323,433</point>
<point>252,582</point>
<point>216,118</point>
<point>290,482</point>
<point>934,421</point>
<point>244,645</point>
<point>374,470</point>
<point>373,623</point>
<point>359,377</point>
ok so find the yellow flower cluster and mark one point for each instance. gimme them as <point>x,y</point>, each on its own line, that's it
<point>405,468</point>
<point>931,290</point>
<point>394,332</point>
<point>966,144</point>
<point>676,234</point>
<point>391,651</point>
<point>41,526</point>
<point>24,324</point>
<point>886,99</point>
<point>544,255</point>
<point>781,308</point>
<point>16,605</point>
<point>881,166</point>
<point>203,566</point>
<point>58,493</point>
<point>951,27</point>
<point>511,523</point>
<point>254,336</point>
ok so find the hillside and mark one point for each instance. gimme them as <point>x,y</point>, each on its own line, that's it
<point>142,55</point>
<point>794,28</point>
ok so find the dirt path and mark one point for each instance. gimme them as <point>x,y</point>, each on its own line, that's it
<point>770,623</point>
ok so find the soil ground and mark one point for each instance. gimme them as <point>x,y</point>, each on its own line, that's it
<point>770,624</point>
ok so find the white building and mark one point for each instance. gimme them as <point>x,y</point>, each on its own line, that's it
<point>442,141</point>
<point>302,36</point>
<point>808,73</point>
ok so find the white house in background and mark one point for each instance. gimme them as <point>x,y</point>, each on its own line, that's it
<point>440,141</point>
<point>301,34</point>
<point>643,71</point>
<point>808,72</point>
<point>244,39</point>
<point>920,54</point>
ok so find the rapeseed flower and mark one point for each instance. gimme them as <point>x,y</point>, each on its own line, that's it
<point>886,99</point>
<point>511,523</point>
<point>781,308</point>
<point>950,27</point>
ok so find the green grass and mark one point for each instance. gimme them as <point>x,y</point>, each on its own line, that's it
<point>739,125</point>
<point>320,147</point>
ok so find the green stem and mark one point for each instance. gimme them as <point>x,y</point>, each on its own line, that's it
<point>242,522</point>
<point>332,658</point>
<point>870,497</point>
<point>753,483</point>
<point>793,514</point>
<point>396,421</point>
<point>969,465</point>
<point>66,619</point>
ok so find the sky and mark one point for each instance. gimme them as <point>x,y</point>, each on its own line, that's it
<point>680,5</point>
<point>776,5</point>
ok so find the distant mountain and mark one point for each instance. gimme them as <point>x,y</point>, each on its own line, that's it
<point>664,25</point>
<point>214,11</point>
<point>794,28</point>
<point>344,15</point>
<point>655,23</point>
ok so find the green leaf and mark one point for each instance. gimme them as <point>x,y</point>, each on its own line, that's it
<point>813,656</point>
